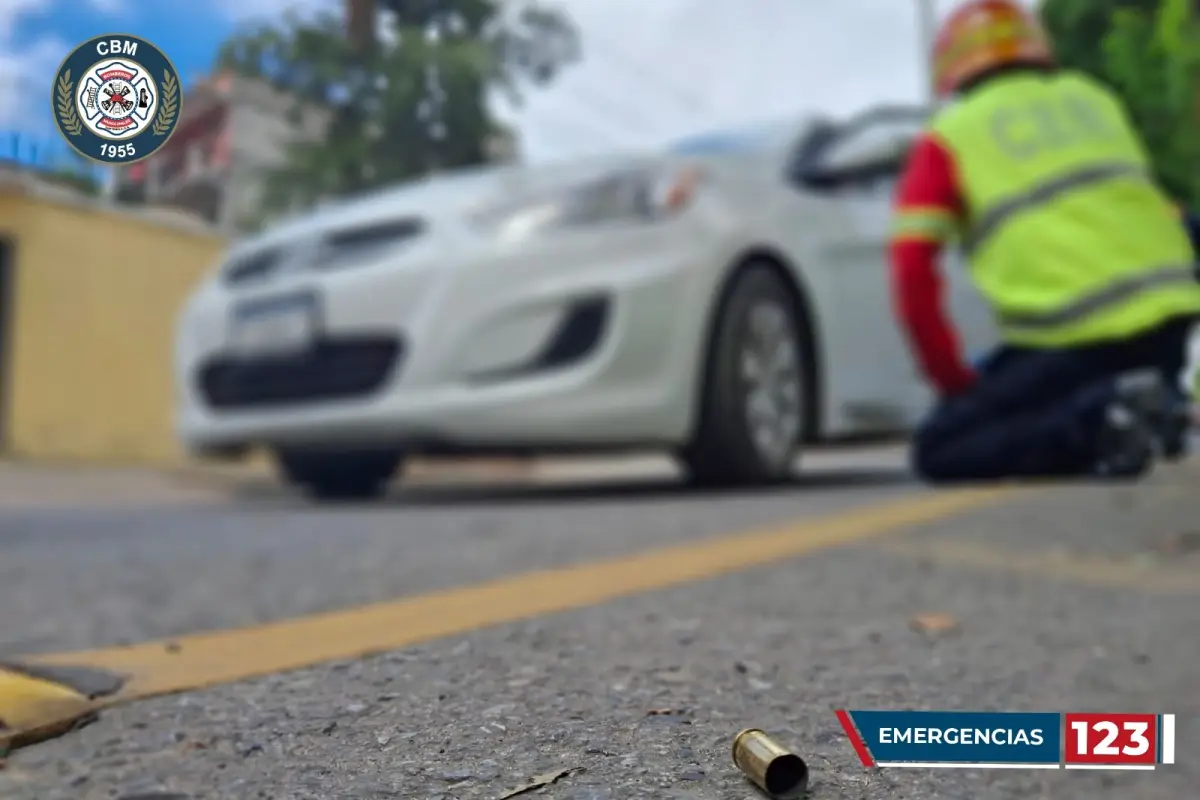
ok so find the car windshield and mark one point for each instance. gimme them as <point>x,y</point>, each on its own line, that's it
<point>749,139</point>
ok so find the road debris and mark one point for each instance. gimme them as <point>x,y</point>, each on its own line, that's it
<point>538,781</point>
<point>933,624</point>
<point>780,773</point>
<point>666,712</point>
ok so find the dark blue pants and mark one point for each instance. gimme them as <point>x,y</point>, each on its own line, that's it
<point>1036,412</point>
<point>1192,221</point>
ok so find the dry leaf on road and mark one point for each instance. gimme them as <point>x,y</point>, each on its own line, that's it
<point>538,781</point>
<point>933,623</point>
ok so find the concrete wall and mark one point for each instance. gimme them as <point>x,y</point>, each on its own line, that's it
<point>96,293</point>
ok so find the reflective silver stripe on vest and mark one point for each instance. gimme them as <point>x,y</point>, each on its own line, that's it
<point>998,214</point>
<point>1110,295</point>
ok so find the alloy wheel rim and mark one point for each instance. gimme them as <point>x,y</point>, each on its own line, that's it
<point>772,380</point>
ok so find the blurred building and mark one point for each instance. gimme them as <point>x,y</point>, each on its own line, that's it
<point>233,130</point>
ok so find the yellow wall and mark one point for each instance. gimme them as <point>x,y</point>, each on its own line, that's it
<point>96,296</point>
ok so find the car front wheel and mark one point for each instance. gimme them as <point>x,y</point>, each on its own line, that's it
<point>753,407</point>
<point>339,475</point>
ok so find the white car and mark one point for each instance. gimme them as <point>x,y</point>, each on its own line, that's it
<point>726,300</point>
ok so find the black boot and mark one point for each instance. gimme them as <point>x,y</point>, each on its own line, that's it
<point>1129,439</point>
<point>1173,429</point>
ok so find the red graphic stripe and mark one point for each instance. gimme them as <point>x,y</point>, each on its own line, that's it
<point>860,747</point>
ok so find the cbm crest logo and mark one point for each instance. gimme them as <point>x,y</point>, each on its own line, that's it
<point>116,99</point>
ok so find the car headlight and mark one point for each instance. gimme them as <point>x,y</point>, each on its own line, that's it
<point>626,196</point>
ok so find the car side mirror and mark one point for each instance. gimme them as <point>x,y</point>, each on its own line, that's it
<point>853,160</point>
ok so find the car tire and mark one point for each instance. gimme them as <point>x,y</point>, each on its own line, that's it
<point>752,419</point>
<point>339,475</point>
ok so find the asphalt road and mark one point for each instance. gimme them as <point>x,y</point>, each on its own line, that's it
<point>1069,598</point>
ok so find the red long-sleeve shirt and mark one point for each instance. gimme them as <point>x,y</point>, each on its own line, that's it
<point>929,210</point>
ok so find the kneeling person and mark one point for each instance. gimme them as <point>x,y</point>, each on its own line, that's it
<point>1040,176</point>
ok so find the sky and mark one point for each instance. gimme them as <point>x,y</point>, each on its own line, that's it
<point>653,70</point>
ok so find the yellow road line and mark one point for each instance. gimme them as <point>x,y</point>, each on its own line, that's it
<point>1071,567</point>
<point>33,709</point>
<point>205,659</point>
<point>26,701</point>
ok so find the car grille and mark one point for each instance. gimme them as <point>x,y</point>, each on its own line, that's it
<point>350,246</point>
<point>338,369</point>
<point>255,266</point>
<point>342,248</point>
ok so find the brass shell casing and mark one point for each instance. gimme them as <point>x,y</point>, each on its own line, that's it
<point>780,773</point>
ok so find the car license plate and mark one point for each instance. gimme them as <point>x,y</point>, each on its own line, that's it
<point>274,326</point>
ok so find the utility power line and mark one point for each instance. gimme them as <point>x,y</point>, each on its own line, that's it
<point>623,58</point>
<point>605,51</point>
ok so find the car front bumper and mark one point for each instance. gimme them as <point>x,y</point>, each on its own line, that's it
<point>477,357</point>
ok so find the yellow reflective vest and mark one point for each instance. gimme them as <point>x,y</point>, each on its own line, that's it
<point>1066,233</point>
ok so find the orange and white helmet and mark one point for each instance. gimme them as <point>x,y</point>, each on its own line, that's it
<point>983,35</point>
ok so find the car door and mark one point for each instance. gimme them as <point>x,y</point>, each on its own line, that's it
<point>858,170</point>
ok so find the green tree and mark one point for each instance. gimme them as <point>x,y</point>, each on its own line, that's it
<point>1149,60</point>
<point>404,103</point>
<point>1076,26</point>
<point>1141,49</point>
<point>1179,32</point>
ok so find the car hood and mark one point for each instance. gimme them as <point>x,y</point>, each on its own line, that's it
<point>449,195</point>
